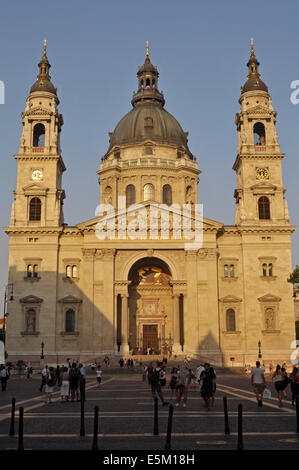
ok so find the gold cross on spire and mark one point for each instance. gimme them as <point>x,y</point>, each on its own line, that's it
<point>251,40</point>
<point>147,52</point>
<point>45,46</point>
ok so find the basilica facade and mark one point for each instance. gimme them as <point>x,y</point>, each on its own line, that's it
<point>111,285</point>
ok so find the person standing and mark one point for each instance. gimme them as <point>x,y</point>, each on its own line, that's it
<point>82,381</point>
<point>173,382</point>
<point>50,383</point>
<point>65,385</point>
<point>292,379</point>
<point>181,389</point>
<point>99,375</point>
<point>279,384</point>
<point>163,376</point>
<point>44,374</point>
<point>208,387</point>
<point>74,377</point>
<point>258,382</point>
<point>4,375</point>
<point>149,372</point>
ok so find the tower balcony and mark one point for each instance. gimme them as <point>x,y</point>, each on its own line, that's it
<point>259,149</point>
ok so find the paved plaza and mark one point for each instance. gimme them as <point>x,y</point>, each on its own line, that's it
<point>126,417</point>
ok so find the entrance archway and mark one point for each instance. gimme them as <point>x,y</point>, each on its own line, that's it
<point>150,307</point>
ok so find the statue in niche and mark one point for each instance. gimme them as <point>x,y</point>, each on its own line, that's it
<point>269,319</point>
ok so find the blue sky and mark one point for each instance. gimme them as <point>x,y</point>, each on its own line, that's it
<point>201,50</point>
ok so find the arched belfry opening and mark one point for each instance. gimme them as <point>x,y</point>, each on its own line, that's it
<point>259,134</point>
<point>150,307</point>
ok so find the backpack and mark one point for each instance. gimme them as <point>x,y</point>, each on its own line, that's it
<point>155,377</point>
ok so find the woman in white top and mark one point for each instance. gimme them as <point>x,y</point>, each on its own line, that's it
<point>99,375</point>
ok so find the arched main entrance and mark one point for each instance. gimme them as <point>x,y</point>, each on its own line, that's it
<point>150,306</point>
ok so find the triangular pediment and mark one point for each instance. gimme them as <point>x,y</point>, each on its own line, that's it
<point>149,205</point>
<point>70,299</point>
<point>35,186</point>
<point>230,299</point>
<point>269,298</point>
<point>258,110</point>
<point>31,299</point>
<point>38,110</point>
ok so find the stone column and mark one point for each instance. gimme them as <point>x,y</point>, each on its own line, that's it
<point>176,347</point>
<point>124,349</point>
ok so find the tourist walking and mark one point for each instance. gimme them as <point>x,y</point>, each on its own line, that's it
<point>4,375</point>
<point>173,382</point>
<point>156,385</point>
<point>82,381</point>
<point>279,384</point>
<point>285,381</point>
<point>163,376</point>
<point>50,383</point>
<point>65,384</point>
<point>181,388</point>
<point>99,374</point>
<point>294,386</point>
<point>208,387</point>
<point>258,382</point>
<point>45,371</point>
<point>149,372</point>
<point>74,377</point>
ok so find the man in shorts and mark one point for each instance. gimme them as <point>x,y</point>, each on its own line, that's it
<point>156,385</point>
<point>258,382</point>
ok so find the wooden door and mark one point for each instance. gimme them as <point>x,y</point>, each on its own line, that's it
<point>150,337</point>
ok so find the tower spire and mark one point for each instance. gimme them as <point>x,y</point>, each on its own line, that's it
<point>147,49</point>
<point>43,82</point>
<point>254,81</point>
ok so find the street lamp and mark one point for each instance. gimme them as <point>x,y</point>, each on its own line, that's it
<point>42,352</point>
<point>260,352</point>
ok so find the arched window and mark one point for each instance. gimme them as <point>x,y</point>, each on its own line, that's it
<point>39,135</point>
<point>130,195</point>
<point>270,266</point>
<point>232,270</point>
<point>30,321</point>
<point>259,134</point>
<point>35,209</point>
<point>70,321</point>
<point>264,208</point>
<point>68,271</point>
<point>35,270</point>
<point>264,269</point>
<point>230,320</point>
<point>148,192</point>
<point>167,194</point>
<point>29,270</point>
<point>74,271</point>
<point>225,270</point>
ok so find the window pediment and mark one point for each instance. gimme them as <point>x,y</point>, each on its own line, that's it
<point>31,299</point>
<point>269,298</point>
<point>70,299</point>
<point>230,298</point>
<point>263,186</point>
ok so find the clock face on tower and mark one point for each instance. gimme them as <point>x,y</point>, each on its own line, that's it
<point>37,175</point>
<point>262,173</point>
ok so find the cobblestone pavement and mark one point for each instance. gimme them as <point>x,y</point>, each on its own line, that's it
<point>126,417</point>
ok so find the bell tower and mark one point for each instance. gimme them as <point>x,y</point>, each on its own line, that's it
<point>38,198</point>
<point>260,193</point>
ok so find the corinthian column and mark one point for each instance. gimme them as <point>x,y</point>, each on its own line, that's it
<point>176,348</point>
<point>124,349</point>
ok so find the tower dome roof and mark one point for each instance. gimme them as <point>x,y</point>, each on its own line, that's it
<point>254,82</point>
<point>43,82</point>
<point>148,120</point>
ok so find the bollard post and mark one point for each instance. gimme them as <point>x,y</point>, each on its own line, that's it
<point>297,411</point>
<point>21,423</point>
<point>12,419</point>
<point>156,426</point>
<point>82,425</point>
<point>240,429</point>
<point>95,428</point>
<point>226,424</point>
<point>169,428</point>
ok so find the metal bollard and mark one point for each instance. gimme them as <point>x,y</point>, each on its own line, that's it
<point>12,419</point>
<point>156,426</point>
<point>82,424</point>
<point>240,429</point>
<point>21,423</point>
<point>297,412</point>
<point>95,428</point>
<point>169,428</point>
<point>226,424</point>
